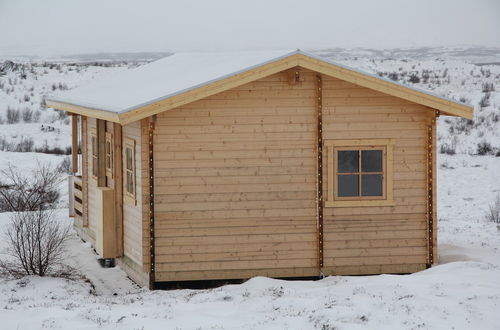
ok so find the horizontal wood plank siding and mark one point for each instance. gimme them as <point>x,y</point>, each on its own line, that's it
<point>359,240</point>
<point>92,181</point>
<point>132,214</point>
<point>235,181</point>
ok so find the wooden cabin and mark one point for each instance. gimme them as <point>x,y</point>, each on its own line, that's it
<point>205,166</point>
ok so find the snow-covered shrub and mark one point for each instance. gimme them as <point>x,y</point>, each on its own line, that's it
<point>35,245</point>
<point>425,76</point>
<point>27,115</point>
<point>46,149</point>
<point>13,116</point>
<point>5,145</point>
<point>485,72</point>
<point>393,76</point>
<point>493,214</point>
<point>485,100</point>
<point>62,114</point>
<point>414,79</point>
<point>65,165</point>
<point>448,148</point>
<point>464,99</point>
<point>25,145</point>
<point>43,104</point>
<point>36,116</point>
<point>484,148</point>
<point>488,87</point>
<point>461,125</point>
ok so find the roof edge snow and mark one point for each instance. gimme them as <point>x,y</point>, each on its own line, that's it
<point>255,72</point>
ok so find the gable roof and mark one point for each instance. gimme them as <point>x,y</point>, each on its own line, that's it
<point>186,77</point>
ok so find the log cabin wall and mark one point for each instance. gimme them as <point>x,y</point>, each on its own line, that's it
<point>235,183</point>
<point>132,212</point>
<point>378,239</point>
<point>130,249</point>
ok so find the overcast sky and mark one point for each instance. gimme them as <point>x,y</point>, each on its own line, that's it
<point>50,27</point>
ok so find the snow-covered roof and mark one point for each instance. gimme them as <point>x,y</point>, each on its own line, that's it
<point>131,89</point>
<point>155,83</point>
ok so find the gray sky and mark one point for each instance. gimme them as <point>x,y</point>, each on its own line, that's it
<point>50,27</point>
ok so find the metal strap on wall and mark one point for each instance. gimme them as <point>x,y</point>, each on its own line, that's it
<point>151,206</point>
<point>319,89</point>
<point>430,190</point>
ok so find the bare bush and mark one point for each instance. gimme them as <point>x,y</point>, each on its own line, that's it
<point>65,165</point>
<point>36,116</point>
<point>484,148</point>
<point>13,115</point>
<point>45,149</point>
<point>25,145</point>
<point>62,114</point>
<point>461,125</point>
<point>393,76</point>
<point>414,79</point>
<point>33,191</point>
<point>493,214</point>
<point>464,99</point>
<point>5,145</point>
<point>35,245</point>
<point>449,148</point>
<point>485,100</point>
<point>488,87</point>
<point>27,115</point>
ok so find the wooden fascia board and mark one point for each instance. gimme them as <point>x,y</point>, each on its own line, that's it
<point>386,87</point>
<point>209,90</point>
<point>84,111</point>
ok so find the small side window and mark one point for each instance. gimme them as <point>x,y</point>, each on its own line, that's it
<point>130,172</point>
<point>110,161</point>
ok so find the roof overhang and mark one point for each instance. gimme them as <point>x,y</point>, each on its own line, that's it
<point>297,58</point>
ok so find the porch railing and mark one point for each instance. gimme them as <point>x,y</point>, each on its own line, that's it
<point>76,197</point>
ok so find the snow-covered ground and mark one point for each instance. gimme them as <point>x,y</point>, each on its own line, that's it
<point>461,292</point>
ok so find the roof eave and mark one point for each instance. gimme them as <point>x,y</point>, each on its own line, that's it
<point>84,111</point>
<point>297,58</point>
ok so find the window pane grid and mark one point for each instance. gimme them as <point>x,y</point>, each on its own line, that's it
<point>373,187</point>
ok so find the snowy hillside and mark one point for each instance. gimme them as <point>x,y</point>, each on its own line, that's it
<point>26,123</point>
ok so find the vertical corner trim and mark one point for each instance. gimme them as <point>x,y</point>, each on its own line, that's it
<point>151,205</point>
<point>319,98</point>
<point>430,190</point>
